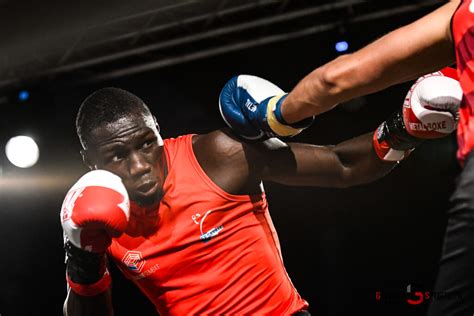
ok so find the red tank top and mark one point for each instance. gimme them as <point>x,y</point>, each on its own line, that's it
<point>463,34</point>
<point>211,253</point>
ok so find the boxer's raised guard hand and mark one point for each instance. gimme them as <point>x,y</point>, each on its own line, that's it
<point>95,209</point>
<point>430,110</point>
<point>251,107</point>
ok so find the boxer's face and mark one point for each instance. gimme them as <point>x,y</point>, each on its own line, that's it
<point>131,148</point>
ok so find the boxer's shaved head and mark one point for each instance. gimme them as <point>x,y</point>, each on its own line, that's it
<point>106,106</point>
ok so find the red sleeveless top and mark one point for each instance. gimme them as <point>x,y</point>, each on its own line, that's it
<point>463,35</point>
<point>209,252</point>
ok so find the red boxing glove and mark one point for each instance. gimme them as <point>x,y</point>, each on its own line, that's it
<point>430,111</point>
<point>431,106</point>
<point>95,209</point>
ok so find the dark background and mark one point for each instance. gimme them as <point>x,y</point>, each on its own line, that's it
<point>340,246</point>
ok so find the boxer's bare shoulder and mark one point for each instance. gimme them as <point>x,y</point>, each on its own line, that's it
<point>238,166</point>
<point>228,161</point>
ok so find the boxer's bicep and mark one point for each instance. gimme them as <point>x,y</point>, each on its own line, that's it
<point>349,163</point>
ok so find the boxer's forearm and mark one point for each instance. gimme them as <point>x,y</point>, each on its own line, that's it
<point>349,163</point>
<point>404,54</point>
<point>360,162</point>
<point>100,305</point>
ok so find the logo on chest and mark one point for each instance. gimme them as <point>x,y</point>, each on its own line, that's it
<point>209,226</point>
<point>134,261</point>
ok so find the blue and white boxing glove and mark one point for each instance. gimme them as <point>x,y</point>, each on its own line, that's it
<point>251,107</point>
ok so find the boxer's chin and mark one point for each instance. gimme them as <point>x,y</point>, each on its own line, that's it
<point>149,201</point>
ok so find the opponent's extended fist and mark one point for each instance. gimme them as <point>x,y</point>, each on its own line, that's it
<point>431,107</point>
<point>95,209</point>
<point>251,106</point>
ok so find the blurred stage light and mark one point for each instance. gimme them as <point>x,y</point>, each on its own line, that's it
<point>342,46</point>
<point>22,151</point>
<point>23,95</point>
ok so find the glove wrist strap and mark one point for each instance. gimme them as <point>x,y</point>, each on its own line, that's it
<point>84,267</point>
<point>277,123</point>
<point>279,116</point>
<point>392,141</point>
<point>86,272</point>
<point>91,289</point>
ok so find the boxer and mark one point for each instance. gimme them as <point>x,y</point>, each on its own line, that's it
<point>186,219</point>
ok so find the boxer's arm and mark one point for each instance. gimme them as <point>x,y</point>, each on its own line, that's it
<point>76,305</point>
<point>238,167</point>
<point>404,54</point>
<point>95,210</point>
<point>429,111</point>
<point>349,163</point>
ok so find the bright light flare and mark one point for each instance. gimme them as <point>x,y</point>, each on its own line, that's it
<point>23,95</point>
<point>22,151</point>
<point>342,46</point>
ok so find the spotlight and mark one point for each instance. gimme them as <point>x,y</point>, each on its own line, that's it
<point>23,95</point>
<point>342,46</point>
<point>22,151</point>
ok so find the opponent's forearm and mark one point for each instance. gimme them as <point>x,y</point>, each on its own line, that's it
<point>404,54</point>
<point>77,305</point>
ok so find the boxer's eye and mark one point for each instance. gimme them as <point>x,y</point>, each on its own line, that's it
<point>149,143</point>
<point>117,158</point>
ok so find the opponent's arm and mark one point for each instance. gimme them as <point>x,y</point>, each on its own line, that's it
<point>429,111</point>
<point>404,54</point>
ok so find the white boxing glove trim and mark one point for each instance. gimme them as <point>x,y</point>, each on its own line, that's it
<point>438,92</point>
<point>259,88</point>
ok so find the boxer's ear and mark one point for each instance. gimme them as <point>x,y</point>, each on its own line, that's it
<point>86,159</point>
<point>156,123</point>
<point>160,139</point>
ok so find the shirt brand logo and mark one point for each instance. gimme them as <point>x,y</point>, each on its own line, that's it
<point>212,233</point>
<point>471,6</point>
<point>134,261</point>
<point>207,234</point>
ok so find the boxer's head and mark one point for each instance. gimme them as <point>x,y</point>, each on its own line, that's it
<point>118,133</point>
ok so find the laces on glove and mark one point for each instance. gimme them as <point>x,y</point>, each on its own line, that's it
<point>86,272</point>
